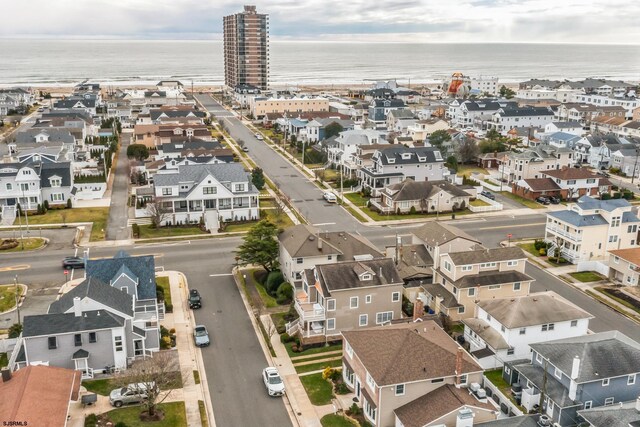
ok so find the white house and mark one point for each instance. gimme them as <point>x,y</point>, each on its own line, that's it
<point>342,153</point>
<point>508,118</point>
<point>629,104</point>
<point>503,328</point>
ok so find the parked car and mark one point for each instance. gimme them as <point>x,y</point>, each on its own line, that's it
<point>272,381</point>
<point>245,149</point>
<point>603,173</point>
<point>259,136</point>
<point>132,393</point>
<point>555,200</point>
<point>487,194</point>
<point>330,197</point>
<point>195,300</point>
<point>201,336</point>
<point>543,200</point>
<point>72,262</point>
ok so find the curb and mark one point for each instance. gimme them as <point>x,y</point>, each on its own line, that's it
<point>21,302</point>
<point>46,243</point>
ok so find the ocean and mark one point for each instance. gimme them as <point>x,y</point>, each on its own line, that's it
<point>55,62</point>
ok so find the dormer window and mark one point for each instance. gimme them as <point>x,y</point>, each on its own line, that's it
<point>365,276</point>
<point>55,182</point>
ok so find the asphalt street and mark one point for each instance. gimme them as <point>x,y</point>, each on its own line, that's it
<point>117,228</point>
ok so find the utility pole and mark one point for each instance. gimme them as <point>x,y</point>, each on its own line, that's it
<point>20,224</point>
<point>15,282</point>
<point>303,143</point>
<point>26,216</point>
<point>635,166</point>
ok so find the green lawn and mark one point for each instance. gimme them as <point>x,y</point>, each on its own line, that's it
<point>469,169</point>
<point>320,391</point>
<point>529,247</point>
<point>98,216</point>
<point>4,360</point>
<point>357,199</point>
<point>603,290</point>
<point>163,282</point>
<point>203,413</point>
<point>102,386</point>
<point>478,202</point>
<point>7,297</point>
<point>282,220</point>
<point>587,276</point>
<point>30,243</point>
<point>196,376</point>
<point>278,319</point>
<point>312,350</point>
<point>531,204</point>
<point>495,376</point>
<point>356,214</point>
<point>267,299</point>
<point>318,366</point>
<point>148,232</point>
<point>376,216</point>
<point>332,420</point>
<point>174,416</point>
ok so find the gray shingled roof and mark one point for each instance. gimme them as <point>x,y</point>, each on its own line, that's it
<point>487,255</point>
<point>97,290</point>
<point>55,135</point>
<point>525,111</point>
<point>521,421</point>
<point>554,388</point>
<point>419,190</point>
<point>586,202</point>
<point>602,355</point>
<point>48,170</point>
<point>346,275</point>
<point>223,172</point>
<point>143,267</point>
<point>302,241</point>
<point>487,278</point>
<point>578,220</point>
<point>619,415</point>
<point>395,152</point>
<point>60,323</point>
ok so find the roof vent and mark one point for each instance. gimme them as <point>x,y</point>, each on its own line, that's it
<point>312,238</point>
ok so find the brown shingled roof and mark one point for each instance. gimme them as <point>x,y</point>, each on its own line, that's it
<point>542,184</point>
<point>570,173</point>
<point>436,404</point>
<point>384,353</point>
<point>631,255</point>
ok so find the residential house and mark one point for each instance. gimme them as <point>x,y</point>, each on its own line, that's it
<point>636,114</point>
<point>38,395</point>
<point>464,113</point>
<point>244,93</point>
<point>584,113</point>
<point>165,133</point>
<point>531,162</point>
<point>397,163</point>
<point>563,140</point>
<point>503,329</point>
<point>567,183</point>
<point>617,126</point>
<point>624,266</point>
<point>601,152</point>
<point>213,193</point>
<point>627,160</point>
<point>571,126</point>
<point>464,278</point>
<point>411,374</point>
<point>146,135</point>
<point>261,106</point>
<point>180,146</point>
<point>39,137</point>
<point>529,136</point>
<point>538,93</point>
<point>420,196</point>
<point>395,116</point>
<point>30,184</point>
<point>176,115</point>
<point>86,102</point>
<point>628,103</point>
<point>345,296</point>
<point>517,421</point>
<point>590,228</point>
<point>379,109</point>
<point>302,247</point>
<point>484,85</point>
<point>492,160</point>
<point>509,117</point>
<point>440,238</point>
<point>624,414</point>
<point>422,129</point>
<point>316,128</point>
<point>8,102</point>
<point>342,152</point>
<point>578,373</point>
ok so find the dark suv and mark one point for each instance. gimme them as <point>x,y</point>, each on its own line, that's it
<point>195,301</point>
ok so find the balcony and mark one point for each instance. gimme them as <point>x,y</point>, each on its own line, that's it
<point>310,311</point>
<point>560,232</point>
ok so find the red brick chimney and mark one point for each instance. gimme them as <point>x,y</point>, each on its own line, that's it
<point>459,364</point>
<point>418,309</point>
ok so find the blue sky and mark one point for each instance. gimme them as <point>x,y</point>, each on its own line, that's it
<point>554,21</point>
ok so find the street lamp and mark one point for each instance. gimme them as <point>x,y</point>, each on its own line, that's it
<point>15,282</point>
<point>635,166</point>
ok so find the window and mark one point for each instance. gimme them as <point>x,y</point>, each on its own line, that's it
<point>632,228</point>
<point>370,410</point>
<point>118,343</point>
<point>574,323</point>
<point>605,382</point>
<point>510,351</point>
<point>615,221</point>
<point>557,372</point>
<point>363,320</point>
<point>467,267</point>
<point>348,349</point>
<point>57,197</point>
<point>239,187</point>
<point>299,260</point>
<point>370,382</point>
<point>538,358</point>
<point>588,404</point>
<point>571,182</point>
<point>331,305</point>
<point>523,331</point>
<point>461,309</point>
<point>57,182</point>
<point>548,327</point>
<point>166,191</point>
<point>512,263</point>
<point>53,343</point>
<point>463,379</point>
<point>471,292</point>
<point>329,257</point>
<point>494,287</point>
<point>395,297</point>
<point>631,379</point>
<point>9,186</point>
<point>399,389</point>
<point>608,401</point>
<point>384,317</point>
<point>488,317</point>
<point>447,265</point>
<point>209,190</point>
<point>331,324</point>
<point>353,302</point>
<point>613,238</point>
<point>516,286</point>
<point>77,340</point>
<point>487,264</point>
<point>93,337</point>
<point>367,299</point>
<point>502,328</point>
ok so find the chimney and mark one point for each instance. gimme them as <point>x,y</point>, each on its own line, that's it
<point>459,364</point>
<point>575,368</point>
<point>464,418</point>
<point>77,308</point>
<point>6,375</point>
<point>418,309</point>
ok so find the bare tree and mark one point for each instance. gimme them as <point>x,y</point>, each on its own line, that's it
<point>152,375</point>
<point>467,150</point>
<point>158,212</point>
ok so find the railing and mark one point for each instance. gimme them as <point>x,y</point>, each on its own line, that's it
<point>293,327</point>
<point>161,310</point>
<point>563,233</point>
<point>501,398</point>
<point>87,373</point>
<point>493,205</point>
<point>310,312</point>
<point>14,353</point>
<point>380,206</point>
<point>312,333</point>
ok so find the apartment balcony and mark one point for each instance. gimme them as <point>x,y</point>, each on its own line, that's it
<point>310,311</point>
<point>574,237</point>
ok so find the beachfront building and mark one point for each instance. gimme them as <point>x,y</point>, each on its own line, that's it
<point>292,106</point>
<point>246,49</point>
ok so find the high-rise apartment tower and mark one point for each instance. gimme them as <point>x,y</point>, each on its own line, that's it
<point>246,49</point>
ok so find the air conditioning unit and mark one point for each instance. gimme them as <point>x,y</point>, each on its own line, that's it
<point>544,421</point>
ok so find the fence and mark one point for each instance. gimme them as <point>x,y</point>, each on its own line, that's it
<point>493,205</point>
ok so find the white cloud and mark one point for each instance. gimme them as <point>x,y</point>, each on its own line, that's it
<point>612,21</point>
